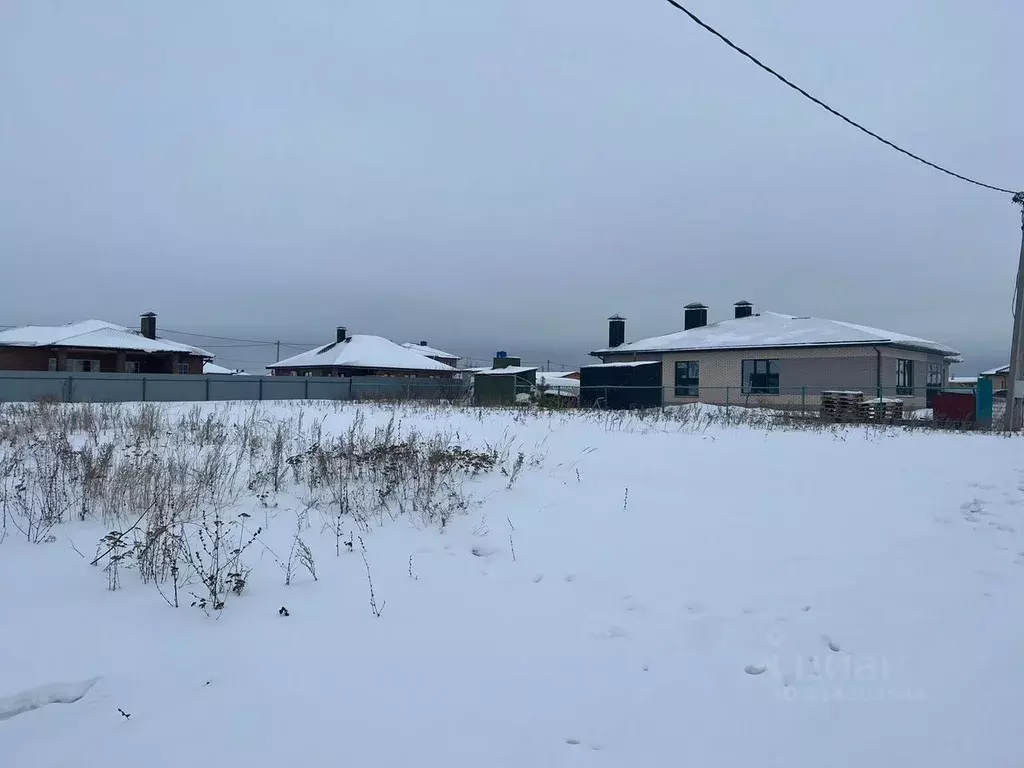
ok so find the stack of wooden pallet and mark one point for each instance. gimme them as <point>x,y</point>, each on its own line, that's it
<point>881,409</point>
<point>841,405</point>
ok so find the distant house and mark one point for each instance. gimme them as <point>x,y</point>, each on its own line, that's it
<point>506,382</point>
<point>998,377</point>
<point>962,382</point>
<point>95,346</point>
<point>434,354</point>
<point>362,355</point>
<point>558,386</point>
<point>769,358</point>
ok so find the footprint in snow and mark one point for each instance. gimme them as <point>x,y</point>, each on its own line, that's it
<point>481,551</point>
<point>44,695</point>
<point>569,578</point>
<point>572,742</point>
<point>755,669</point>
<point>832,644</point>
<point>538,578</point>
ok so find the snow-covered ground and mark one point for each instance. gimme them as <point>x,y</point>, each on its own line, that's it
<point>631,592</point>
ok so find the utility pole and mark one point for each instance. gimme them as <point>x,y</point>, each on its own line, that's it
<point>1013,413</point>
<point>277,358</point>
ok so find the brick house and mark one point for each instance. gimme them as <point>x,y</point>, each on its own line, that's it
<point>362,355</point>
<point>95,346</point>
<point>769,359</point>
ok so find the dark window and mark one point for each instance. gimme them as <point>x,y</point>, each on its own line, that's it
<point>183,369</point>
<point>904,377</point>
<point>78,365</point>
<point>936,379</point>
<point>687,379</point>
<point>760,377</point>
<point>131,366</point>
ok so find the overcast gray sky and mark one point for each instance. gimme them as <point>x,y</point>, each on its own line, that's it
<point>506,174</point>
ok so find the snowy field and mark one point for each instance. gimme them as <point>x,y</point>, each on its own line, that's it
<point>503,589</point>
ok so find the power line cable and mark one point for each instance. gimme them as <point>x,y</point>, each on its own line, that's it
<point>254,342</point>
<point>245,345</point>
<point>826,107</point>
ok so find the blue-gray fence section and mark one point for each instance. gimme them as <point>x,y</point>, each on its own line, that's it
<point>29,386</point>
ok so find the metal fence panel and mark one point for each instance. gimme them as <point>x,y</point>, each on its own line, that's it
<point>226,387</point>
<point>174,389</point>
<point>21,388</point>
<point>283,388</point>
<point>112,389</point>
<point>28,386</point>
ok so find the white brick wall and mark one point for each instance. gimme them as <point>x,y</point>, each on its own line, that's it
<point>810,370</point>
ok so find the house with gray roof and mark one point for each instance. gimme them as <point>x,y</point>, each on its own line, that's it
<point>773,359</point>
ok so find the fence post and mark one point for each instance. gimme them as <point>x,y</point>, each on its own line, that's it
<point>143,389</point>
<point>207,388</point>
<point>71,389</point>
<point>803,401</point>
<point>983,399</point>
<point>727,400</point>
<point>261,387</point>
<point>307,387</point>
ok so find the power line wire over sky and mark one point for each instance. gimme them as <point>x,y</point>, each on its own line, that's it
<point>892,145</point>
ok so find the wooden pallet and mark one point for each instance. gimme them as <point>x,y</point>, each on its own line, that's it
<point>842,405</point>
<point>882,409</point>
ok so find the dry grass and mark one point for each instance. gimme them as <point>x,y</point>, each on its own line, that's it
<point>172,487</point>
<point>185,494</point>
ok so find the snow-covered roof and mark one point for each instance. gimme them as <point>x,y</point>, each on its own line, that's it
<point>209,367</point>
<point>553,380</point>
<point>429,351</point>
<point>773,330</point>
<point>995,371</point>
<point>93,334</point>
<point>363,351</point>
<point>963,379</point>
<point>512,369</point>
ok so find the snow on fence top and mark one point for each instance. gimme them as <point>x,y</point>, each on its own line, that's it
<point>93,334</point>
<point>771,329</point>
<point>363,351</point>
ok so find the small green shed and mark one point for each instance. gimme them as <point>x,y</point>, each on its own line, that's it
<point>500,384</point>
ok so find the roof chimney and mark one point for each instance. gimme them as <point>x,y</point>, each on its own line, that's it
<point>148,325</point>
<point>616,330</point>
<point>695,315</point>
<point>423,343</point>
<point>743,309</point>
<point>342,334</point>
